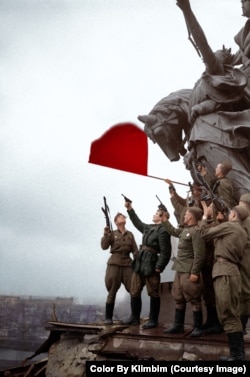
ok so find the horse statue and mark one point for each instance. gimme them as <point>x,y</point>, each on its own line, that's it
<point>209,123</point>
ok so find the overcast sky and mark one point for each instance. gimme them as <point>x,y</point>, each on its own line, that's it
<point>71,69</point>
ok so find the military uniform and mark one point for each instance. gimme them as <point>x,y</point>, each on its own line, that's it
<point>154,254</point>
<point>180,206</point>
<point>212,324</point>
<point>118,269</point>
<point>230,241</point>
<point>190,260</point>
<point>225,189</point>
<point>245,278</point>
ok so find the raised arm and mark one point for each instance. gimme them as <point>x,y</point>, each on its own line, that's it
<point>200,39</point>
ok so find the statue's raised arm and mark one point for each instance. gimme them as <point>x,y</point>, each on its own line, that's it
<point>210,121</point>
<point>214,65</point>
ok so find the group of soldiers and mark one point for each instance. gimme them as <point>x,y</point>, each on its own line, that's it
<point>212,264</point>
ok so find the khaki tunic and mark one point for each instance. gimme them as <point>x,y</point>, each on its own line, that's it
<point>190,260</point>
<point>118,269</point>
<point>230,240</point>
<point>121,245</point>
<point>245,272</point>
<point>225,189</point>
<point>180,206</point>
<point>191,248</point>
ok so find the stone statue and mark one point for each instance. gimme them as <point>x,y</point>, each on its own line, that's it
<point>211,122</point>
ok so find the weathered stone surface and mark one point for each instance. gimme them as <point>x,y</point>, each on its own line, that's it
<point>67,357</point>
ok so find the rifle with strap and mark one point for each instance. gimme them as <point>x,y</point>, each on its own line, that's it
<point>218,202</point>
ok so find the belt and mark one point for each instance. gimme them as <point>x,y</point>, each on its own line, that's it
<point>148,248</point>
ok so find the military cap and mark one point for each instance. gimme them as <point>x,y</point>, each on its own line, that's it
<point>242,212</point>
<point>245,198</point>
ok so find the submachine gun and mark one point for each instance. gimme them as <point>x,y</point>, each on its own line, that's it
<point>106,212</point>
<point>217,200</point>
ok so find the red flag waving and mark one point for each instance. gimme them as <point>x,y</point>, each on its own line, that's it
<point>123,147</point>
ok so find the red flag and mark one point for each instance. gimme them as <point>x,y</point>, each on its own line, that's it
<point>123,147</point>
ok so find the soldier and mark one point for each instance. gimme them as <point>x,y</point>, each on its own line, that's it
<point>230,241</point>
<point>121,242</point>
<point>245,267</point>
<point>220,184</point>
<point>212,324</point>
<point>154,254</point>
<point>181,204</point>
<point>187,286</point>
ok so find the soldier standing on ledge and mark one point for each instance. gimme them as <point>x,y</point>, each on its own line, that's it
<point>245,267</point>
<point>187,286</point>
<point>121,243</point>
<point>230,241</point>
<point>154,254</point>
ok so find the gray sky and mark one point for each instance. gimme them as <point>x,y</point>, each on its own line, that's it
<point>71,69</point>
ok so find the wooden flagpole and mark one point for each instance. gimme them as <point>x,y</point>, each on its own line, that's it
<point>178,183</point>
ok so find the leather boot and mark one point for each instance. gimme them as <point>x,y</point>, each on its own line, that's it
<point>197,330</point>
<point>236,346</point>
<point>212,324</point>
<point>109,314</point>
<point>136,305</point>
<point>244,319</point>
<point>178,327</point>
<point>155,303</point>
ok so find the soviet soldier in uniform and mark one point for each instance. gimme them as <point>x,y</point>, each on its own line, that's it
<point>245,267</point>
<point>225,188</point>
<point>121,242</point>
<point>154,255</point>
<point>211,325</point>
<point>181,204</point>
<point>230,241</point>
<point>187,285</point>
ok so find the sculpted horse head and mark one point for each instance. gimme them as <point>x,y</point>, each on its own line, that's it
<point>167,123</point>
<point>213,137</point>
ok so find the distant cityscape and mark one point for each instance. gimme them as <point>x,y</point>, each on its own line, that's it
<point>23,318</point>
